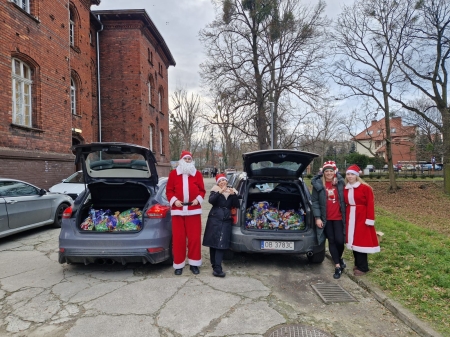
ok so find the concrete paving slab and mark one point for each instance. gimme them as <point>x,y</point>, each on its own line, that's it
<point>18,298</point>
<point>15,324</point>
<point>114,326</point>
<point>243,286</point>
<point>140,298</point>
<point>96,291</point>
<point>39,309</point>
<point>193,309</point>
<point>250,318</point>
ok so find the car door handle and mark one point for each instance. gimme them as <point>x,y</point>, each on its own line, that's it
<point>11,201</point>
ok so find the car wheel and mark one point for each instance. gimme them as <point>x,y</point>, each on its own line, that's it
<point>58,215</point>
<point>317,257</point>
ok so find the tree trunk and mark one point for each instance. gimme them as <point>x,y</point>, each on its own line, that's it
<point>392,182</point>
<point>446,153</point>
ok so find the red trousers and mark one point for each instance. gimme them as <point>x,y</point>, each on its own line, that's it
<point>186,227</point>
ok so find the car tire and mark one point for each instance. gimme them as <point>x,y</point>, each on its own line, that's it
<point>58,215</point>
<point>317,257</point>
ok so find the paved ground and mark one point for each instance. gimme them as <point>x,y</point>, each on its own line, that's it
<point>40,297</point>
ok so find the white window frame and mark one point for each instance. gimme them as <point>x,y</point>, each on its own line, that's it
<point>73,96</point>
<point>24,4</point>
<point>71,28</point>
<point>151,138</point>
<point>21,94</point>
<point>160,141</point>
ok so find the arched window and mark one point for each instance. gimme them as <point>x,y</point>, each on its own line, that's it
<point>150,90</point>
<point>72,27</point>
<point>161,141</point>
<point>152,136</point>
<point>21,93</point>
<point>73,96</point>
<point>160,98</point>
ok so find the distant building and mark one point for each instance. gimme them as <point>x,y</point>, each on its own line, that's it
<point>374,138</point>
<point>57,64</point>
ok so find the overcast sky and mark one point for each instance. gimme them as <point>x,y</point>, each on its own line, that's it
<point>179,22</point>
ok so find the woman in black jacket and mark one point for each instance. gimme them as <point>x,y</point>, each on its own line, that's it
<point>328,206</point>
<point>218,226</point>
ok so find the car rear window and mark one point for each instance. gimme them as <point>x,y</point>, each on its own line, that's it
<point>102,164</point>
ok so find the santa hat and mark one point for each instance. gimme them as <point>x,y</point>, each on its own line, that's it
<point>354,169</point>
<point>330,165</point>
<point>185,154</point>
<point>219,177</point>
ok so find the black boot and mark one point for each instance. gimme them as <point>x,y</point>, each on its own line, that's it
<point>342,263</point>
<point>337,272</point>
<point>217,271</point>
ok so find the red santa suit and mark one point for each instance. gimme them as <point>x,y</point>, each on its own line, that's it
<point>360,229</point>
<point>186,220</point>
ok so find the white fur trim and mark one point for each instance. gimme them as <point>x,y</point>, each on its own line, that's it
<point>370,222</point>
<point>179,265</point>
<point>186,212</point>
<point>172,200</point>
<point>196,263</point>
<point>354,172</point>
<point>369,250</point>
<point>185,189</point>
<point>200,199</point>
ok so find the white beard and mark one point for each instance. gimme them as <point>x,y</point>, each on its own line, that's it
<point>186,168</point>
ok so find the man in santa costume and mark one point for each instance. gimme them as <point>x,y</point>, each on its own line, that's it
<point>185,191</point>
<point>360,216</point>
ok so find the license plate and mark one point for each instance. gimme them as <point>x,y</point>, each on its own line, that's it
<point>277,245</point>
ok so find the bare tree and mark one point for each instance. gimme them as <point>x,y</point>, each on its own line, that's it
<point>369,37</point>
<point>424,60</point>
<point>237,45</point>
<point>186,121</point>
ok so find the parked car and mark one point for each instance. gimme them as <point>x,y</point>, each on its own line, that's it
<point>395,167</point>
<point>371,168</point>
<point>24,206</point>
<point>429,167</point>
<point>408,167</point>
<point>275,214</point>
<point>72,186</point>
<point>123,216</point>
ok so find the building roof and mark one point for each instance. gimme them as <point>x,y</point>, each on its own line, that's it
<point>137,14</point>
<point>376,131</point>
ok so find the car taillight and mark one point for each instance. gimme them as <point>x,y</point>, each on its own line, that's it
<point>67,213</point>
<point>158,211</point>
<point>234,215</point>
<point>155,250</point>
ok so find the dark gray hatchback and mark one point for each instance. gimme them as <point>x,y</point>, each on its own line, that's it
<point>275,214</point>
<point>123,216</point>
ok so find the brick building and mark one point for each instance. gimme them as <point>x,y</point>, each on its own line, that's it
<point>55,95</point>
<point>374,137</point>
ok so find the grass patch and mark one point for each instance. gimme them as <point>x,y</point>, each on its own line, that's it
<point>413,268</point>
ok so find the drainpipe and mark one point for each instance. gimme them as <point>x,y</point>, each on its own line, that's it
<point>99,101</point>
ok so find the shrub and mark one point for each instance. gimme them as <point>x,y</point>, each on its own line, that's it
<point>414,176</point>
<point>378,176</point>
<point>309,176</point>
<point>431,176</point>
<point>423,176</point>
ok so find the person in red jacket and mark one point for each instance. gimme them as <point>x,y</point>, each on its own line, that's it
<point>185,191</point>
<point>360,216</point>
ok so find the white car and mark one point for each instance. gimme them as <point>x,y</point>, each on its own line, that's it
<point>72,186</point>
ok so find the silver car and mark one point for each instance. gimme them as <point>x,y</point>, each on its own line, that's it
<point>123,216</point>
<point>24,206</point>
<point>275,215</point>
<point>72,186</point>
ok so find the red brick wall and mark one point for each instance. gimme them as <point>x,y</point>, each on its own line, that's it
<point>42,153</point>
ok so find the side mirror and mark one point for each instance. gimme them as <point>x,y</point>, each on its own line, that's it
<point>42,192</point>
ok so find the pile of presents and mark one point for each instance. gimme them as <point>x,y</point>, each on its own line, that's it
<point>266,215</point>
<point>106,221</point>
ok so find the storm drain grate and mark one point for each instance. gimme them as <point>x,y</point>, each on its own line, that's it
<point>332,293</point>
<point>296,331</point>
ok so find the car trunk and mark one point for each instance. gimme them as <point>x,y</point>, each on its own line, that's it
<point>277,207</point>
<point>118,198</point>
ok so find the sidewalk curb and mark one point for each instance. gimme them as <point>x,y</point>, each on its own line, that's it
<point>403,314</point>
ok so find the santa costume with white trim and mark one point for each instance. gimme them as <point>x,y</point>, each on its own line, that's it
<point>185,186</point>
<point>360,227</point>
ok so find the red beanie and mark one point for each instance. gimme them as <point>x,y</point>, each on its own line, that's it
<point>354,169</point>
<point>220,177</point>
<point>185,154</point>
<point>330,165</point>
